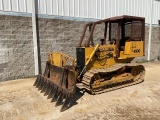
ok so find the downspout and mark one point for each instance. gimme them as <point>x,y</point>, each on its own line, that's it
<point>150,31</point>
<point>35,40</point>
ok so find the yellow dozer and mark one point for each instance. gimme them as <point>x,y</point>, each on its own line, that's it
<point>99,67</point>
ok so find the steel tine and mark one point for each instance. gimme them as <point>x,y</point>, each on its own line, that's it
<point>45,84</point>
<point>66,104</point>
<point>37,79</point>
<point>51,92</point>
<point>61,80</point>
<point>65,82</point>
<point>59,100</point>
<point>39,82</point>
<point>55,95</point>
<point>42,83</point>
<point>48,88</point>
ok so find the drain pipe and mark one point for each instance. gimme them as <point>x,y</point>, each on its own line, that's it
<point>35,40</point>
<point>150,31</point>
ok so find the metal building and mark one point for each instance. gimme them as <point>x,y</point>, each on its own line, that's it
<point>98,9</point>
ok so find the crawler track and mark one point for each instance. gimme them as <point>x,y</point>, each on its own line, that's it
<point>88,77</point>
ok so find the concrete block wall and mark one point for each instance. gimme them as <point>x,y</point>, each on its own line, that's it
<point>16,47</point>
<point>58,35</point>
<point>155,42</point>
<point>16,43</point>
<point>155,45</point>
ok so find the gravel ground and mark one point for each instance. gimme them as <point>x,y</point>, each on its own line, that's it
<point>19,100</point>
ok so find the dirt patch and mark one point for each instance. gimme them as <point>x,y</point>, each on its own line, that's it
<point>19,100</point>
<point>134,94</point>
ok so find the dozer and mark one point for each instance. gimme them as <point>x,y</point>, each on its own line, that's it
<point>99,67</point>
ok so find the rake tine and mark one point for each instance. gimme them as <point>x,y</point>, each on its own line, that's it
<point>51,92</point>
<point>45,84</point>
<point>66,104</point>
<point>59,100</point>
<point>42,83</point>
<point>37,79</point>
<point>55,95</point>
<point>39,82</point>
<point>48,88</point>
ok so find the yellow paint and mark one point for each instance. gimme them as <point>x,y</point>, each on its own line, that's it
<point>115,79</point>
<point>57,58</point>
<point>60,59</point>
<point>100,59</point>
<point>132,49</point>
<point>101,56</point>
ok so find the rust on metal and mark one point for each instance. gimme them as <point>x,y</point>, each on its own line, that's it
<point>117,40</point>
<point>58,83</point>
<point>83,33</point>
<point>118,20</point>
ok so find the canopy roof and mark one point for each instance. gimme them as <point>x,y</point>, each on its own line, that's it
<point>119,18</point>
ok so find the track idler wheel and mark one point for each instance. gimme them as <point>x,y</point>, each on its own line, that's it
<point>60,88</point>
<point>135,71</point>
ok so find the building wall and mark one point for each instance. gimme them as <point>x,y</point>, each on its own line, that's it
<point>16,46</point>
<point>155,45</point>
<point>97,9</point>
<point>58,35</point>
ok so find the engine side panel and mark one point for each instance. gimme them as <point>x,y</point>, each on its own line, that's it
<point>134,48</point>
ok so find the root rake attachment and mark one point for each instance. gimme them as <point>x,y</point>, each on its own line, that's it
<point>59,84</point>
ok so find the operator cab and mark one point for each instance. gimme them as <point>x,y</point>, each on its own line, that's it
<point>126,32</point>
<point>120,38</point>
